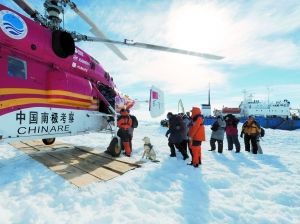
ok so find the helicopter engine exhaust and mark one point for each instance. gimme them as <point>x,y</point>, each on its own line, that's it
<point>62,43</point>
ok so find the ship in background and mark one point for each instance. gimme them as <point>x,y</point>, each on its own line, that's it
<point>275,115</point>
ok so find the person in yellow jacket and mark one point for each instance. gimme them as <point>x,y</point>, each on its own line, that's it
<point>196,136</point>
<point>251,131</point>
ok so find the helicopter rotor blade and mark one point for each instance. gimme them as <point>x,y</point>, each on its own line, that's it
<point>112,47</point>
<point>32,12</point>
<point>173,50</point>
<point>95,30</point>
<point>150,46</point>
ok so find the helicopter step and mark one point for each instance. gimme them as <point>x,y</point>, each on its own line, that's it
<point>79,165</point>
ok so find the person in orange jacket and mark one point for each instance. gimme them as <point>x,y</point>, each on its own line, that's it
<point>124,124</point>
<point>196,136</point>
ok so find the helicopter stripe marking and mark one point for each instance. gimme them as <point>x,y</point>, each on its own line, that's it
<point>6,91</point>
<point>17,96</point>
<point>56,101</point>
<point>45,106</point>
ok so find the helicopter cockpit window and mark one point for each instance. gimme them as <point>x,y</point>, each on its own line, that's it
<point>17,68</point>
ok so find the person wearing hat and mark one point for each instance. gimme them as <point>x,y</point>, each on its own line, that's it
<point>251,131</point>
<point>196,136</point>
<point>125,124</point>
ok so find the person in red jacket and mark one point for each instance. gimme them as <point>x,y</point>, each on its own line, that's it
<point>232,132</point>
<point>196,136</point>
<point>124,125</point>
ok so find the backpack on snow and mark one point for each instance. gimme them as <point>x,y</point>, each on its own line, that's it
<point>114,148</point>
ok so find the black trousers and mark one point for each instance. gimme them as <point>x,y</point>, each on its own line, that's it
<point>172,148</point>
<point>253,140</point>
<point>213,145</point>
<point>180,147</point>
<point>184,146</point>
<point>233,139</point>
<point>125,136</point>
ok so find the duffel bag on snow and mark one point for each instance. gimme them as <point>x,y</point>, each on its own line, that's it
<point>114,147</point>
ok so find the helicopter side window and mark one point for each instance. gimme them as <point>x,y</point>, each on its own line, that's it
<point>17,68</point>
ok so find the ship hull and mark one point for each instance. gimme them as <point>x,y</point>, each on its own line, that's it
<point>266,122</point>
<point>276,123</point>
<point>209,120</point>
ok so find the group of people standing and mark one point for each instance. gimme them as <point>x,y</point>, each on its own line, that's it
<point>222,125</point>
<point>188,132</point>
<point>184,132</point>
<point>251,131</point>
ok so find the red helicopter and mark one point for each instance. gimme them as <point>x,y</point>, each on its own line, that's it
<point>51,88</point>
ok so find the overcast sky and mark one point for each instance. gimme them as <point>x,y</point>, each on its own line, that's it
<point>260,41</point>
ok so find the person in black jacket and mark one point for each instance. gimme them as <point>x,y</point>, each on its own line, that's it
<point>174,135</point>
<point>187,123</point>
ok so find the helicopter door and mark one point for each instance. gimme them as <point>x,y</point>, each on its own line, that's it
<point>103,104</point>
<point>108,93</point>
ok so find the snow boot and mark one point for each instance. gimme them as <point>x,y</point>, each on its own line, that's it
<point>185,157</point>
<point>127,148</point>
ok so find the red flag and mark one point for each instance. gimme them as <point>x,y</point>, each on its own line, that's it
<point>154,95</point>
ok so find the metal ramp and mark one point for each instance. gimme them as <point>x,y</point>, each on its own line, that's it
<point>79,165</point>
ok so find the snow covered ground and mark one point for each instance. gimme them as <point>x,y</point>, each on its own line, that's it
<point>227,188</point>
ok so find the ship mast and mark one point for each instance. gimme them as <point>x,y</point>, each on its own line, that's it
<point>269,90</point>
<point>209,93</point>
<point>245,94</point>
